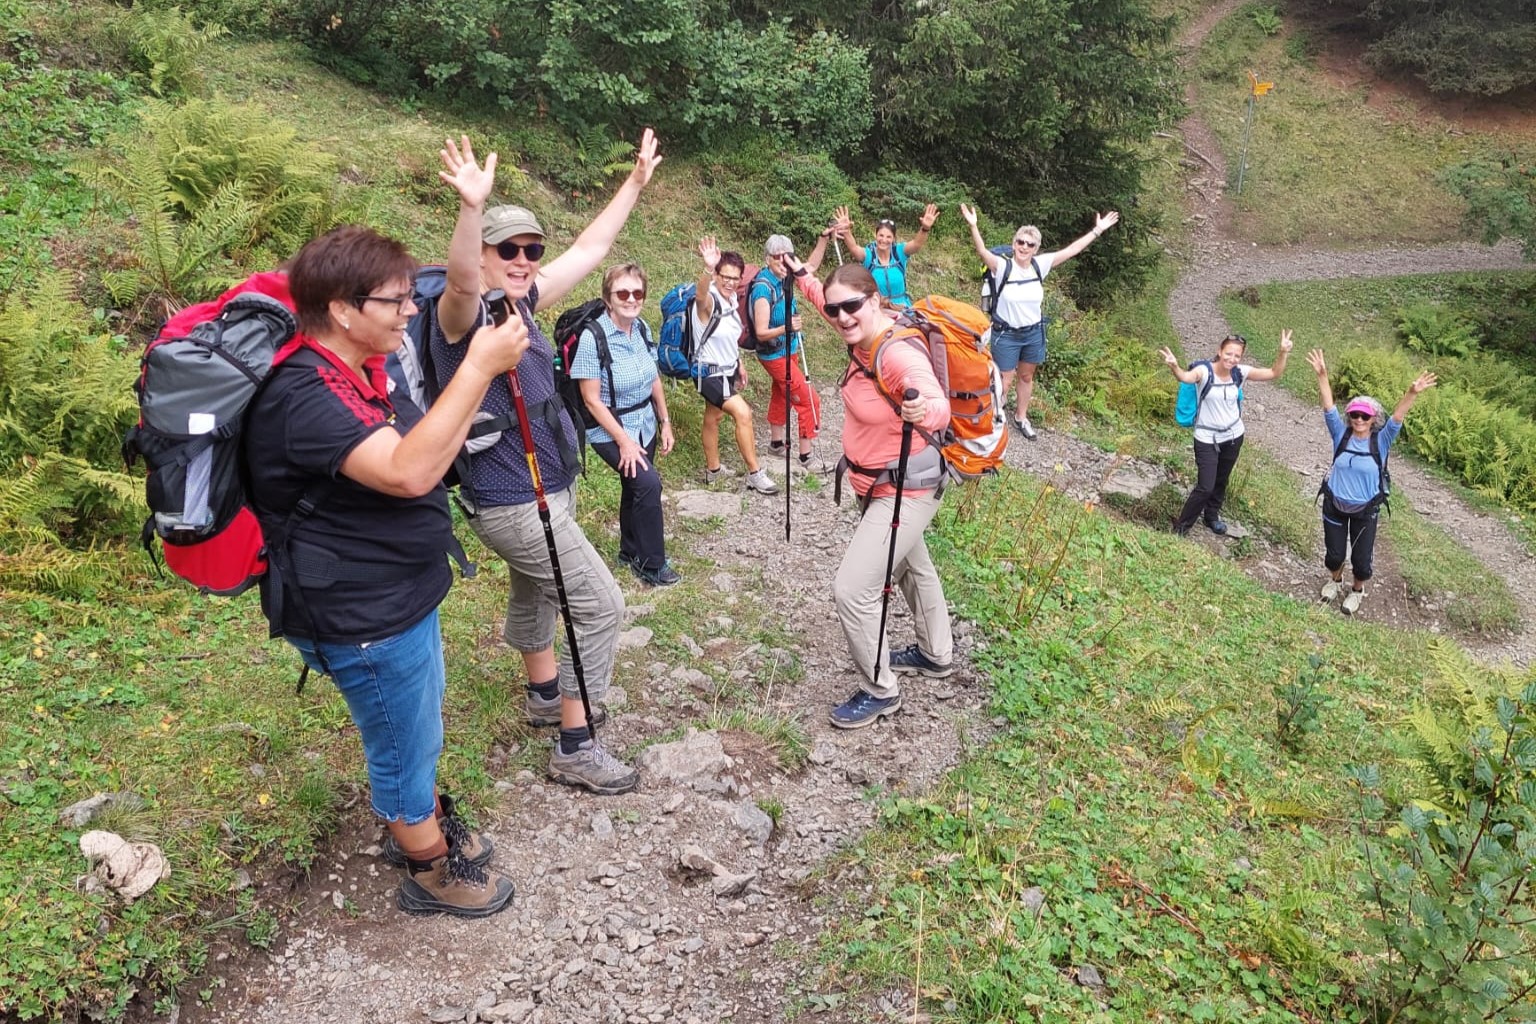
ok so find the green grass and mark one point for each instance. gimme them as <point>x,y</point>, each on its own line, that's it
<point>1139,783</point>
<point>1267,495</point>
<point>1437,568</point>
<point>1329,164</point>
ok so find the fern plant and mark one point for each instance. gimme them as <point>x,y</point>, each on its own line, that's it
<point>214,189</point>
<point>1449,876</point>
<point>166,47</point>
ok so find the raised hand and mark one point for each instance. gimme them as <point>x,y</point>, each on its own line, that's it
<point>1169,358</point>
<point>841,219</point>
<point>1285,340</point>
<point>469,179</point>
<point>710,251</point>
<point>1422,383</point>
<point>646,159</point>
<point>1102,222</point>
<point>930,214</point>
<point>1315,360</point>
<point>969,214</point>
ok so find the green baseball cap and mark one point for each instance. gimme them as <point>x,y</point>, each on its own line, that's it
<point>502,222</point>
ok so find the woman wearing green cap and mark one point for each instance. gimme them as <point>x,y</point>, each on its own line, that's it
<point>502,247</point>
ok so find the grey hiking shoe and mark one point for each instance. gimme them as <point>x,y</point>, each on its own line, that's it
<point>1352,601</point>
<point>912,659</point>
<point>592,768</point>
<point>814,464</point>
<point>1332,589</point>
<point>455,885</point>
<point>1026,428</point>
<point>545,714</point>
<point>719,475</point>
<point>761,482</point>
<point>476,847</point>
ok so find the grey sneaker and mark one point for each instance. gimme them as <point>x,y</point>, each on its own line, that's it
<point>1331,590</point>
<point>544,714</point>
<point>592,768</point>
<point>1352,601</point>
<point>762,483</point>
<point>813,465</point>
<point>718,475</point>
<point>1026,428</point>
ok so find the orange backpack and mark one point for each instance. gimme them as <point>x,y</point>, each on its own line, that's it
<point>951,334</point>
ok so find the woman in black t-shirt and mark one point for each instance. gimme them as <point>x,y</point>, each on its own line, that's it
<point>356,583</point>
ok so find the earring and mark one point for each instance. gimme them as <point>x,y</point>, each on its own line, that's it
<point>346,325</point>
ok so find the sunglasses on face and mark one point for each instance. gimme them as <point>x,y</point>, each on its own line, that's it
<point>849,306</point>
<point>627,294</point>
<point>1025,242</point>
<point>509,250</point>
<point>1360,416</point>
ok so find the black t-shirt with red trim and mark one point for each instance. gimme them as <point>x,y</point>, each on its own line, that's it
<point>310,414</point>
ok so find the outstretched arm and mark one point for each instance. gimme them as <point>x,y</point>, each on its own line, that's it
<point>1185,376</point>
<point>813,261</point>
<point>930,214</point>
<point>1275,371</point>
<point>702,299</point>
<point>459,307</point>
<point>991,259</point>
<point>1324,389</point>
<point>1102,222</point>
<point>591,246</point>
<point>1422,383</point>
<point>844,224</point>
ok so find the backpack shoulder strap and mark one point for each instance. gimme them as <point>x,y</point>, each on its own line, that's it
<point>1034,265</point>
<point>1210,377</point>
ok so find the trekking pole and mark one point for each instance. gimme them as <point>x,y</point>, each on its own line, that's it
<point>497,301</point>
<point>789,406</point>
<point>890,554</point>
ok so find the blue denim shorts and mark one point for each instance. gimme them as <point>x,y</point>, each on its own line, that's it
<point>1011,347</point>
<point>394,688</point>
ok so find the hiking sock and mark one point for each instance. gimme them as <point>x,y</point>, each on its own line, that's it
<point>545,691</point>
<point>421,860</point>
<point>572,739</point>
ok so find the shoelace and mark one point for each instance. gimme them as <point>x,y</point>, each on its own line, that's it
<point>454,830</point>
<point>461,869</point>
<point>605,760</point>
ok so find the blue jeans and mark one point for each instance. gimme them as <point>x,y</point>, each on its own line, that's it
<point>1011,346</point>
<point>394,689</point>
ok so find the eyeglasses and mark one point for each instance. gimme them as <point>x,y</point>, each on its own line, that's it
<point>398,300</point>
<point>1027,243</point>
<point>849,306</point>
<point>730,280</point>
<point>626,294</point>
<point>509,250</point>
<point>1361,416</point>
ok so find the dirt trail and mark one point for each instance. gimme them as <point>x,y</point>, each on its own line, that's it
<point>1289,428</point>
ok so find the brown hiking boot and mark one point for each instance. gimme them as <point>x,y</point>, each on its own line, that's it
<point>455,885</point>
<point>476,847</point>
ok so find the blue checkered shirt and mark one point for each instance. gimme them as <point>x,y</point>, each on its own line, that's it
<point>634,372</point>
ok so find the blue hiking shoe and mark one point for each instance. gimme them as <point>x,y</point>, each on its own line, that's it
<point>864,708</point>
<point>912,659</point>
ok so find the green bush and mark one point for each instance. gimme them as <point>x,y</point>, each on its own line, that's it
<point>765,189</point>
<point>1433,329</point>
<point>215,189</point>
<point>1101,372</point>
<point>166,48</point>
<point>1446,877</point>
<point>901,196</point>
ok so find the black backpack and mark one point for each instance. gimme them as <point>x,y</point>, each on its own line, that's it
<point>1383,476</point>
<point>571,328</point>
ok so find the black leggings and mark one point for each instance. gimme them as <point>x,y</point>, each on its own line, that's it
<point>640,522</point>
<point>1213,467</point>
<point>1354,532</point>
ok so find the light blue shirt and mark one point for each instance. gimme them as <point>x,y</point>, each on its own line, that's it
<point>890,278</point>
<point>634,373</point>
<point>1354,480</point>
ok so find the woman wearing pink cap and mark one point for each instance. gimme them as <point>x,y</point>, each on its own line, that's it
<point>1356,485</point>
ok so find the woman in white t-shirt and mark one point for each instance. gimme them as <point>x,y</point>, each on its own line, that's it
<point>722,374</point>
<point>1219,423</point>
<point>1018,329</point>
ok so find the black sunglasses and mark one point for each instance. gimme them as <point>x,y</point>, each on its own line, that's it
<point>1235,337</point>
<point>849,306</point>
<point>509,250</point>
<point>1361,416</point>
<point>885,222</point>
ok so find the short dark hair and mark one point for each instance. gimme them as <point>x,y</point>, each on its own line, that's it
<point>853,275</point>
<point>343,264</point>
<point>731,259</point>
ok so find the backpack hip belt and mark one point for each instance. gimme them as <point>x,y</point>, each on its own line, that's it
<point>926,470</point>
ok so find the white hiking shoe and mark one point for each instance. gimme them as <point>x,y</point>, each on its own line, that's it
<point>1352,601</point>
<point>761,482</point>
<point>1331,590</point>
<point>1026,428</point>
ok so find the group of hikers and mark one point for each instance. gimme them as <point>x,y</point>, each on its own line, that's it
<point>328,421</point>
